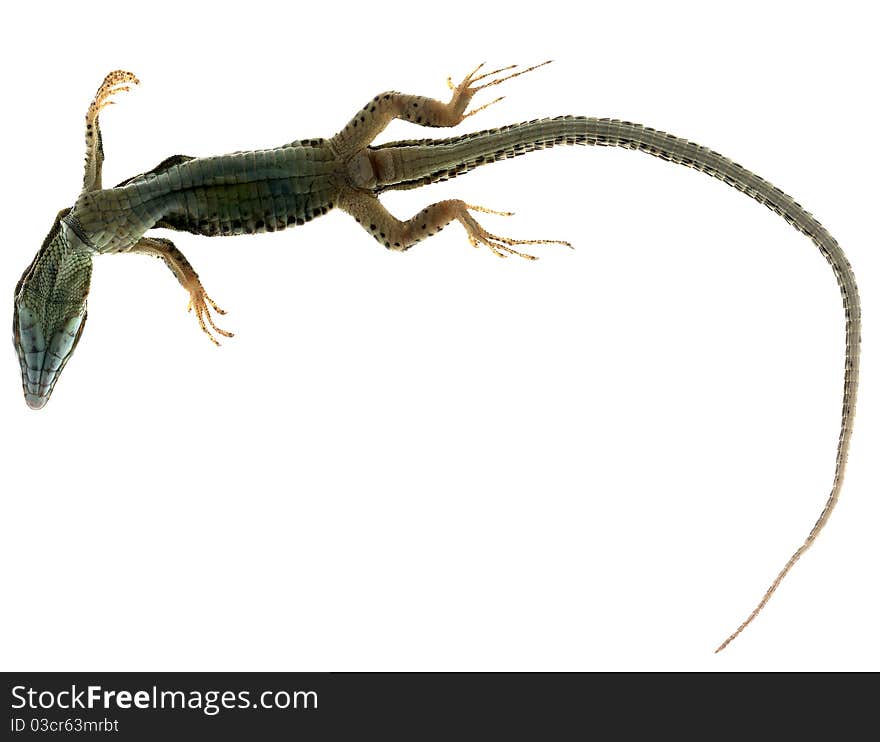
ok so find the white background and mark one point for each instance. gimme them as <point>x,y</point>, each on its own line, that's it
<point>441,460</point>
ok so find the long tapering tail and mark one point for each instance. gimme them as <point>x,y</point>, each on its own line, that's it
<point>419,162</point>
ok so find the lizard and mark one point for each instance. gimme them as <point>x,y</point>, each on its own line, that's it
<point>271,189</point>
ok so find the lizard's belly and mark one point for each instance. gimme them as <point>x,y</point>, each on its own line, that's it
<point>241,193</point>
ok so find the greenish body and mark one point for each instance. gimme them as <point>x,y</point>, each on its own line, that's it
<point>271,190</point>
<point>241,193</point>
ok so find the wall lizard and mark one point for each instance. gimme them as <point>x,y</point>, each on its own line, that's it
<point>272,189</point>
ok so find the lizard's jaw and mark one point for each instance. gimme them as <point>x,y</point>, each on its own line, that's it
<point>35,401</point>
<point>42,361</point>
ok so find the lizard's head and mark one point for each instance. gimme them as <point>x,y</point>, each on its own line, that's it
<point>50,310</point>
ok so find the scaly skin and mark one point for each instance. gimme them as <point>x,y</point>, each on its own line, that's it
<point>270,190</point>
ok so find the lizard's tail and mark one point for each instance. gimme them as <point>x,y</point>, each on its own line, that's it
<point>418,162</point>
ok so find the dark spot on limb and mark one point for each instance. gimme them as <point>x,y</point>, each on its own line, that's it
<point>382,234</point>
<point>260,224</point>
<point>373,227</point>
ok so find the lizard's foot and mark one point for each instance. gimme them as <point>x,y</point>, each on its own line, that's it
<point>466,89</point>
<point>500,246</point>
<point>202,304</point>
<point>118,81</point>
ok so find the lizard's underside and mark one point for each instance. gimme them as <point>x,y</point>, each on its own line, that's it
<point>270,190</point>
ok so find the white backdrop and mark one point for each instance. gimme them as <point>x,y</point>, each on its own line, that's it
<point>441,460</point>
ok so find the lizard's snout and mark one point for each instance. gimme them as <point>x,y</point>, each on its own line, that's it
<point>35,401</point>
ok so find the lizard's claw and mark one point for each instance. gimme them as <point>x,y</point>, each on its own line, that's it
<point>500,246</point>
<point>465,90</point>
<point>202,304</point>
<point>116,82</point>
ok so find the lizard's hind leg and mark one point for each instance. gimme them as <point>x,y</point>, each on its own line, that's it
<point>116,82</point>
<point>401,235</point>
<point>465,90</point>
<point>500,246</point>
<point>372,119</point>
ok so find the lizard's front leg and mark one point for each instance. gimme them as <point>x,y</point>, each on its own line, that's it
<point>198,298</point>
<point>401,235</point>
<point>372,119</point>
<point>116,82</point>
